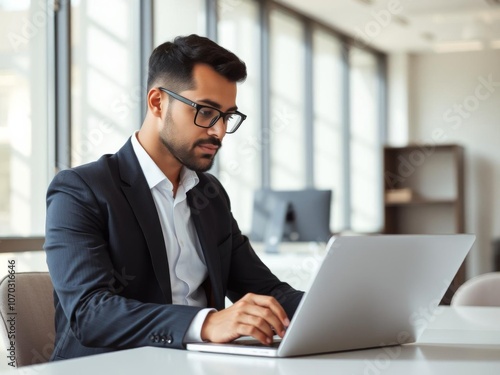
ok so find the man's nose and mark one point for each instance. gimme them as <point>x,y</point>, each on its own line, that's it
<point>218,130</point>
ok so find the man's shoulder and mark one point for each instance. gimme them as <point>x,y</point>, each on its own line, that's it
<point>94,169</point>
<point>101,169</point>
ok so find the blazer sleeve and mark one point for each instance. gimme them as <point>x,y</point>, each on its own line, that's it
<point>83,276</point>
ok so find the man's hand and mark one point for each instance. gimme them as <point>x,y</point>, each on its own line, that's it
<point>253,315</point>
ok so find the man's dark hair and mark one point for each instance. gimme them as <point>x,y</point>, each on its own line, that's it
<point>172,63</point>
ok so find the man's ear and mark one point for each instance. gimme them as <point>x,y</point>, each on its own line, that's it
<point>155,104</point>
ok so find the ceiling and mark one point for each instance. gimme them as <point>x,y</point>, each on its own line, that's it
<point>411,25</point>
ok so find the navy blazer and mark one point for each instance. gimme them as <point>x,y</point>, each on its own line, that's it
<point>107,259</point>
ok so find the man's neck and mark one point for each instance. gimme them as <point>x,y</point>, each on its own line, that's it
<point>169,165</point>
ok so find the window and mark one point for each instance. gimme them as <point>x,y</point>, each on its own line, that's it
<point>24,130</point>
<point>174,17</point>
<point>365,143</point>
<point>328,127</point>
<point>287,117</point>
<point>240,157</point>
<point>106,90</point>
<point>289,151</point>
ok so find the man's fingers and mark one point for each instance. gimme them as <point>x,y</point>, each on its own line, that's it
<point>273,305</point>
<point>265,338</point>
<point>253,315</point>
<point>262,317</point>
<point>233,322</point>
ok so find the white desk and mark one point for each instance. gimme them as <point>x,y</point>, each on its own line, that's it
<point>457,341</point>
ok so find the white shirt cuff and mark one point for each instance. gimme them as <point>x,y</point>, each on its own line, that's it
<point>193,333</point>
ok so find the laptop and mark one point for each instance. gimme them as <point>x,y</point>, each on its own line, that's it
<point>369,291</point>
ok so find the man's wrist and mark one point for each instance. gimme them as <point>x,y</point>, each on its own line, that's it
<point>194,332</point>
<point>203,331</point>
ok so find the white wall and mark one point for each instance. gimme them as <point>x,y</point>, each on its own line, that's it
<point>449,95</point>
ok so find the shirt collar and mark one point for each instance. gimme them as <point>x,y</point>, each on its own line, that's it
<point>154,175</point>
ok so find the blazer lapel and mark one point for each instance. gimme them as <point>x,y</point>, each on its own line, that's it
<point>139,196</point>
<point>204,219</point>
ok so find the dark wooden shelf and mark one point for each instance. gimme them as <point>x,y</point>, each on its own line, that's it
<point>420,202</point>
<point>423,171</point>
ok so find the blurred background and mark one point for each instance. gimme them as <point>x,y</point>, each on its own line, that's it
<point>393,105</point>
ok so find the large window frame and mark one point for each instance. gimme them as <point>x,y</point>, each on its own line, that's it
<point>60,70</point>
<point>348,44</point>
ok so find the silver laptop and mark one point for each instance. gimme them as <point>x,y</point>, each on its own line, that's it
<point>369,291</point>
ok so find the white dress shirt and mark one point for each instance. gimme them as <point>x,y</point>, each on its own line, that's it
<point>186,262</point>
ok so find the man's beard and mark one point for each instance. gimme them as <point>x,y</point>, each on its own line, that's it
<point>185,153</point>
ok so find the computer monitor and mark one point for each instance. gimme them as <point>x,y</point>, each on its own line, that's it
<point>291,215</point>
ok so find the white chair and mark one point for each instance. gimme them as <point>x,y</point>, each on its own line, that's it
<point>27,310</point>
<point>482,290</point>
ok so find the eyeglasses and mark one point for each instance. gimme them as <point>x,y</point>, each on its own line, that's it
<point>207,116</point>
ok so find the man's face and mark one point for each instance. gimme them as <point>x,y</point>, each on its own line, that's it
<point>191,145</point>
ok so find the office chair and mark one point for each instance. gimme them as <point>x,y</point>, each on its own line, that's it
<point>482,290</point>
<point>27,311</point>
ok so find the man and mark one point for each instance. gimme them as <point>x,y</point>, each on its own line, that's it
<point>141,245</point>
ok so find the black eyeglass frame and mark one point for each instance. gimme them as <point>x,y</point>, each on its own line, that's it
<point>200,106</point>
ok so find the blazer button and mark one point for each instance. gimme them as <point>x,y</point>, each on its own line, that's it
<point>157,338</point>
<point>169,339</point>
<point>152,338</point>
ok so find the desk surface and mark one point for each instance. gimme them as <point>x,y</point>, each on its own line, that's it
<point>457,341</point>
